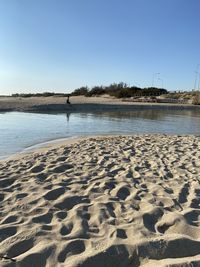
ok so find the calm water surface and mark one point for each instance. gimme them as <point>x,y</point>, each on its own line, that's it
<point>21,130</point>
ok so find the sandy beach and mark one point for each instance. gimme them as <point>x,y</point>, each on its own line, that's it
<point>82,104</point>
<point>103,201</point>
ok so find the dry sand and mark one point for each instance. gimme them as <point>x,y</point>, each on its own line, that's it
<point>52,103</point>
<point>80,104</point>
<point>118,201</point>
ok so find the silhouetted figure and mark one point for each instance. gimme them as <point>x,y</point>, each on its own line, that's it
<point>67,101</point>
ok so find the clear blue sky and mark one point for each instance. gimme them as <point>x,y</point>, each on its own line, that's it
<point>59,45</point>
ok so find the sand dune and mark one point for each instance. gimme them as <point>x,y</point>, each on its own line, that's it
<point>124,201</point>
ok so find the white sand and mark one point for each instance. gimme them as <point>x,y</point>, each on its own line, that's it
<point>123,201</point>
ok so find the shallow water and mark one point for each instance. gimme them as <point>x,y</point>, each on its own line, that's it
<point>21,130</point>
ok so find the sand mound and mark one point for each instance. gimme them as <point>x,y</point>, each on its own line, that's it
<point>123,201</point>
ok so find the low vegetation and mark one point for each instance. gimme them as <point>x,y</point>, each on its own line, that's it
<point>45,94</point>
<point>119,90</point>
<point>196,98</point>
<point>122,90</point>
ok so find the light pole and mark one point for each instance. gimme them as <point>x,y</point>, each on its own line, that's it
<point>153,77</point>
<point>196,76</point>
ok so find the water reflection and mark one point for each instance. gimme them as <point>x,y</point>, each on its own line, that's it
<point>146,114</point>
<point>67,116</point>
<point>20,130</point>
<point>138,114</point>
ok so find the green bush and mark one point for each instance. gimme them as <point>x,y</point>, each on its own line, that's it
<point>80,91</point>
<point>196,99</point>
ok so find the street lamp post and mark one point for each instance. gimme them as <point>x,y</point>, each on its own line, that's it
<point>196,77</point>
<point>153,78</point>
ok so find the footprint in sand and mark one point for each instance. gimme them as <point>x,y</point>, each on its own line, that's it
<point>6,182</point>
<point>151,218</point>
<point>20,247</point>
<point>54,193</point>
<point>72,248</point>
<point>183,193</point>
<point>43,219</point>
<point>69,202</point>
<point>193,217</point>
<point>7,232</point>
<point>10,219</point>
<point>122,192</point>
<point>37,168</point>
<point>61,215</point>
<point>66,229</point>
<point>119,233</point>
<point>62,168</point>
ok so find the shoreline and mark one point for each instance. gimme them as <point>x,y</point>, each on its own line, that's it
<point>56,143</point>
<point>103,200</point>
<point>40,147</point>
<point>82,104</point>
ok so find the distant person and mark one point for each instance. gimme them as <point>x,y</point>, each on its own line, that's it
<point>67,101</point>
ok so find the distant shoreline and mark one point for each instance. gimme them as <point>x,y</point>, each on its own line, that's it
<point>82,104</point>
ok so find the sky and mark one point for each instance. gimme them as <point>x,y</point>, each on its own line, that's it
<point>60,45</point>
